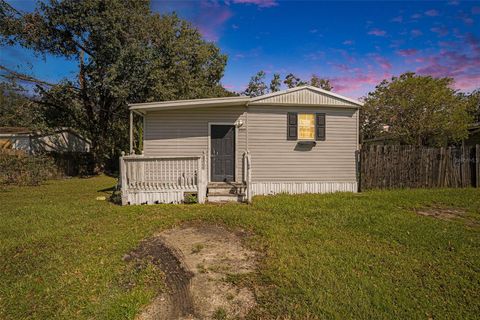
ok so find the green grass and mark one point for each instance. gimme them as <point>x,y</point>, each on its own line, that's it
<point>324,256</point>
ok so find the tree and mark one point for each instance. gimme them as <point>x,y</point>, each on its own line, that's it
<point>125,53</point>
<point>291,81</point>
<point>275,83</point>
<point>473,100</point>
<point>418,110</point>
<point>318,82</point>
<point>256,86</point>
<point>16,109</point>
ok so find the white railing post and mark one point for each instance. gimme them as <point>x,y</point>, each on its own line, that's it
<point>123,180</point>
<point>201,180</point>
<point>247,175</point>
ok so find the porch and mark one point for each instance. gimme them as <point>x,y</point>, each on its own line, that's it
<point>152,180</point>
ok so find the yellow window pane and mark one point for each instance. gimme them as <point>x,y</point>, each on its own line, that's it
<point>306,126</point>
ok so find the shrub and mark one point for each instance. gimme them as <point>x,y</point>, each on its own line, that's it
<point>18,168</point>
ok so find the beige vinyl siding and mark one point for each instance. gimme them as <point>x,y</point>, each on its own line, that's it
<point>305,96</point>
<point>274,158</point>
<point>184,132</point>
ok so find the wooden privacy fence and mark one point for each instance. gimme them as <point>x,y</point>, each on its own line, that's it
<point>418,167</point>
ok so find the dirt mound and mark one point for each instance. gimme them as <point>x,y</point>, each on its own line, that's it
<point>196,261</point>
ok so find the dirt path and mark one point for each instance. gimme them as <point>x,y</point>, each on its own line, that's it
<point>196,261</point>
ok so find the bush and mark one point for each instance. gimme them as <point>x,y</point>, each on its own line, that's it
<point>18,168</point>
<point>74,163</point>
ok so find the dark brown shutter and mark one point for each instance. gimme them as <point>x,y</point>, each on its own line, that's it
<point>292,126</point>
<point>320,126</point>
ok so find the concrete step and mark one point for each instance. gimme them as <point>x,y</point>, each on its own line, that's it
<point>225,188</point>
<point>222,191</point>
<point>225,198</point>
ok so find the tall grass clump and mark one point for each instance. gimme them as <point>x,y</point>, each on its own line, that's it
<point>18,168</point>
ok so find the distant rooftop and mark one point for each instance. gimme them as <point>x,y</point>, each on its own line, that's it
<point>14,130</point>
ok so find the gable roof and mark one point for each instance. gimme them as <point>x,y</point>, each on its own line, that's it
<point>303,95</point>
<point>192,103</point>
<point>306,95</point>
<point>23,131</point>
<point>12,130</point>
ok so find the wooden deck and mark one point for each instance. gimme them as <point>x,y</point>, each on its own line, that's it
<point>151,180</point>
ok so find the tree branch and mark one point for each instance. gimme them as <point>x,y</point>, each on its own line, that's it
<point>20,76</point>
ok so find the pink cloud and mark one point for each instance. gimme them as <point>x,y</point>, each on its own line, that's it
<point>416,16</point>
<point>357,84</point>
<point>463,66</point>
<point>407,52</point>
<point>210,19</point>
<point>468,82</point>
<point>382,62</point>
<point>465,18</point>
<point>475,10</point>
<point>260,3</point>
<point>398,19</point>
<point>348,42</point>
<point>416,33</point>
<point>432,13</point>
<point>377,32</point>
<point>440,31</point>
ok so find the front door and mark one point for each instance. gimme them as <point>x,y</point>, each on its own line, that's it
<point>222,153</point>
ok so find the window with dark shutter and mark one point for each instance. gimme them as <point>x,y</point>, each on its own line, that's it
<point>291,126</point>
<point>320,126</point>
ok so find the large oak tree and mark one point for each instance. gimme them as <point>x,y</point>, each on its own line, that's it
<point>125,53</point>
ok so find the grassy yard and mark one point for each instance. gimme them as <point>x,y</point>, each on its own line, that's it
<point>339,256</point>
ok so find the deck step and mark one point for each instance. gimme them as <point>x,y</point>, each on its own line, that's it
<point>225,192</point>
<point>225,198</point>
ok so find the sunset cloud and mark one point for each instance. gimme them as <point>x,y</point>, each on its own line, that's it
<point>407,52</point>
<point>377,32</point>
<point>383,62</point>
<point>440,31</point>
<point>260,3</point>
<point>416,33</point>
<point>211,18</point>
<point>432,13</point>
<point>398,19</point>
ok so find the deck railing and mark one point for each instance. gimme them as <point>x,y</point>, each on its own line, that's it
<point>247,175</point>
<point>169,176</point>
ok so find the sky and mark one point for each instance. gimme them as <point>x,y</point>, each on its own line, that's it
<point>354,44</point>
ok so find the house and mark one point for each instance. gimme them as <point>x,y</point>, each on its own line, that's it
<point>34,142</point>
<point>473,135</point>
<point>301,140</point>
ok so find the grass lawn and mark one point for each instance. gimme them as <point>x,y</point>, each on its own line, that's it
<point>325,256</point>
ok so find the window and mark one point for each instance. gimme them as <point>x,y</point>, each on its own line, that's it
<point>306,126</point>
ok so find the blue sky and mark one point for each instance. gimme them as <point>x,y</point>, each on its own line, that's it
<point>354,44</point>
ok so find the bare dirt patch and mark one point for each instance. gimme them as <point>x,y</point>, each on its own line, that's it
<point>447,214</point>
<point>196,260</point>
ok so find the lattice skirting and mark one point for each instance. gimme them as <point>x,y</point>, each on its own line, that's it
<point>268,188</point>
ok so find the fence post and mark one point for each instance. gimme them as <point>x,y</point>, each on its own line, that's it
<point>358,156</point>
<point>477,165</point>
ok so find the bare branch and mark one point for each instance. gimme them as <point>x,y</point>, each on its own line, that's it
<point>9,6</point>
<point>24,77</point>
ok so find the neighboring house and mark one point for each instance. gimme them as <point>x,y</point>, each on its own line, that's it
<point>34,142</point>
<point>473,135</point>
<point>301,140</point>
